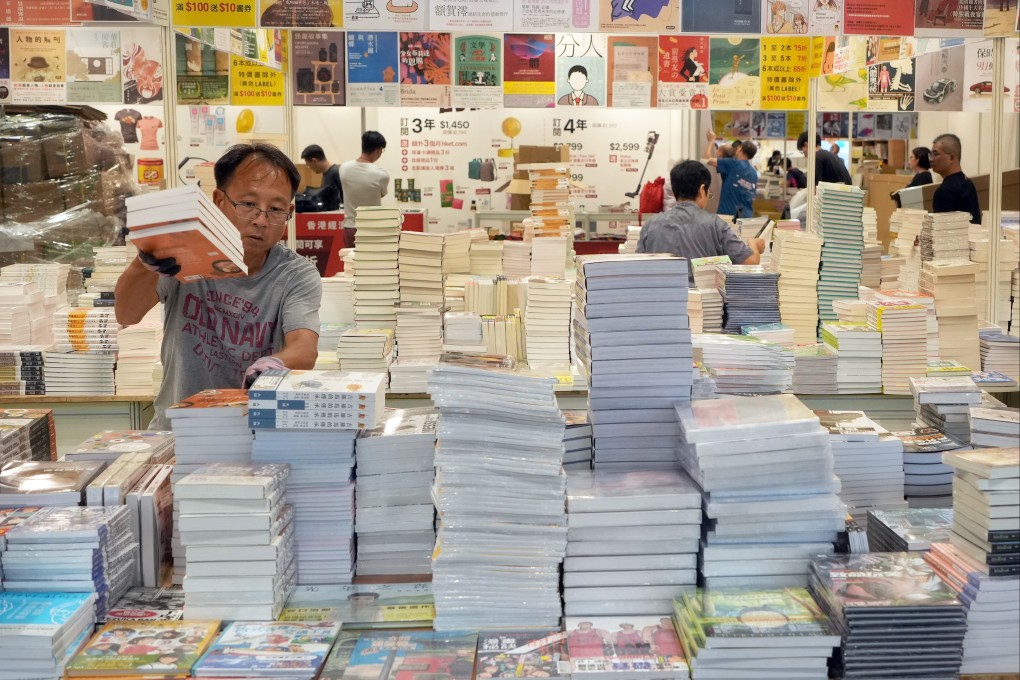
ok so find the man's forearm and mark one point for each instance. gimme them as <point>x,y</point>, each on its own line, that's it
<point>135,293</point>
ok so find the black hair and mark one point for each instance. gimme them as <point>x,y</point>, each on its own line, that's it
<point>256,152</point>
<point>802,140</point>
<point>921,154</point>
<point>777,154</point>
<point>951,144</point>
<point>687,178</point>
<point>372,141</point>
<point>577,68</point>
<point>749,149</point>
<point>313,152</point>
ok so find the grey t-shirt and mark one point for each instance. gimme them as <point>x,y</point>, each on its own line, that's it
<point>214,330</point>
<point>688,231</point>
<point>364,184</point>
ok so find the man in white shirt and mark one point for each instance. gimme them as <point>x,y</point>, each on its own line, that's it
<point>364,184</point>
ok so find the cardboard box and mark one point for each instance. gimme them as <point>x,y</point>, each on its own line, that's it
<point>22,161</point>
<point>65,155</point>
<point>520,186</point>
<point>1010,191</point>
<point>33,201</point>
<point>879,188</point>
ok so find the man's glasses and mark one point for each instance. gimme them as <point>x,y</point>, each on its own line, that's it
<point>250,211</point>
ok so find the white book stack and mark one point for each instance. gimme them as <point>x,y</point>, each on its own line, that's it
<point>23,370</point>
<point>906,224</point>
<point>999,289</point>
<point>869,221</point>
<point>55,281</point>
<point>903,342</point>
<point>547,322</point>
<point>237,531</point>
<point>419,338</point>
<point>421,267</point>
<point>329,338</point>
<point>868,460</point>
<point>73,549</point>
<point>859,350</point>
<point>139,351</point>
<point>750,295</point>
<point>366,349</point>
<point>871,265</point>
<point>816,369</point>
<point>376,278</point>
<point>838,215</point>
<point>577,440</point>
<point>796,256</point>
<point>41,632</point>
<point>26,482</point>
<point>21,303</point>
<point>453,291</point>
<point>776,333</point>
<point>945,236</point>
<point>633,344</point>
<point>705,270</point>
<point>85,329</point>
<point>516,259</point>
<point>320,489</point>
<point>337,300</point>
<point>630,245</point>
<point>944,402</point>
<point>1014,314</point>
<point>928,482</point>
<point>705,309</point>
<point>110,263</point>
<point>457,252</point>
<point>486,258</point>
<point>632,541</point>
<point>549,256</point>
<point>851,311</point>
<point>462,332</point>
<point>498,554</point>
<point>765,469</point>
<point>552,213</point>
<point>950,283</point>
<point>998,427</point>
<point>1000,352</point>
<point>890,276</point>
<point>744,363</point>
<point>915,296</point>
<point>69,372</point>
<point>396,520</point>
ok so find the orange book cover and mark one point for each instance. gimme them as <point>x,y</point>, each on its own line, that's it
<point>195,253</point>
<point>217,399</point>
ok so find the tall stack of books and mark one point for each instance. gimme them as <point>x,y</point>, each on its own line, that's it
<point>744,363</point>
<point>636,355</point>
<point>54,280</point>
<point>42,431</point>
<point>944,403</point>
<point>487,258</point>
<point>462,332</point>
<point>139,351</point>
<point>547,323</point>
<point>867,459</point>
<point>945,236</point>
<point>457,252</point>
<point>796,256</point>
<point>549,256</point>
<point>890,277</point>
<point>1014,315</point>
<point>109,263</point>
<point>497,556</point>
<point>577,439</point>
<point>396,521</point>
<point>632,541</point>
<point>871,265</point>
<point>902,325</point>
<point>22,369</point>
<point>928,482</point>
<point>750,295</point>
<point>516,259</point>
<point>998,290</point>
<point>816,369</point>
<point>951,284</point>
<point>859,356</point>
<point>928,302</point>
<point>376,261</point>
<point>366,349</point>
<point>907,529</point>
<point>421,267</point>
<point>85,329</point>
<point>41,632</point>
<point>890,608</point>
<point>21,303</point>
<point>705,309</point>
<point>1001,352</point>
<point>765,467</point>
<point>838,215</point>
<point>993,426</point>
<point>419,338</point>
<point>237,533</point>
<point>905,224</point>
<point>629,246</point>
<point>337,300</point>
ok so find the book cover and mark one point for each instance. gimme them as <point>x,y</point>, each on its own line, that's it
<point>262,648</point>
<point>384,605</point>
<point>597,645</point>
<point>198,256</point>
<point>882,580</point>
<point>413,655</point>
<point>119,648</point>
<point>148,604</point>
<point>39,613</point>
<point>225,402</point>
<point>522,654</point>
<point>340,655</point>
<point>32,477</point>
<point>927,440</point>
<point>126,441</point>
<point>747,613</point>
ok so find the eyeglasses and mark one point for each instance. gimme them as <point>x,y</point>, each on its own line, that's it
<point>249,211</point>
<point>935,154</point>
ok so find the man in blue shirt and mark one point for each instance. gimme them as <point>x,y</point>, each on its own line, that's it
<point>739,179</point>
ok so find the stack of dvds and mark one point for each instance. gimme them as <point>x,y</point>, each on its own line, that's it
<point>907,529</point>
<point>22,370</point>
<point>632,541</point>
<point>897,617</point>
<point>859,362</point>
<point>633,343</point>
<point>903,342</point>
<point>750,295</point>
<point>420,259</point>
<point>497,556</point>
<point>516,259</point>
<point>42,431</point>
<point>457,252</point>
<point>41,632</point>
<point>487,258</point>
<point>816,369</point>
<point>237,532</point>
<point>376,278</point>
<point>70,372</point>
<point>547,323</point>
<point>396,521</point>
<point>839,222</point>
<point>73,549</point>
<point>868,461</point>
<point>44,483</point>
<point>765,468</point>
<point>993,426</point>
<point>796,256</point>
<point>139,351</point>
<point>629,246</point>
<point>741,363</point>
<point>1001,352</point>
<point>944,403</point>
<point>366,349</point>
<point>705,308</point>
<point>21,303</point>
<point>950,283</point>
<point>577,439</point>
<point>927,481</point>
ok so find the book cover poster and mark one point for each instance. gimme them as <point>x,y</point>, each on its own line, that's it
<point>775,125</point>
<point>731,16</point>
<point>468,15</point>
<point>301,14</point>
<point>318,76</point>
<point>784,73</point>
<point>478,71</point>
<point>878,17</point>
<point>683,71</point>
<point>891,86</point>
<point>633,71</point>
<point>834,125</point>
<point>382,15</point>
<point>555,16</point>
<point>977,77</point>
<point>5,65</point>
<point>851,52</point>
<point>35,13</point>
<point>529,70</point>
<point>785,17</point>
<point>1001,19</point>
<point>372,69</point>
<point>425,68</point>
<point>639,16</point>
<point>93,65</point>
<point>581,69</point>
<point>825,17</point>
<point>945,18</point>
<point>413,655</point>
<point>141,65</point>
<point>734,73</point>
<point>203,72</point>
<point>38,63</point>
<point>938,78</point>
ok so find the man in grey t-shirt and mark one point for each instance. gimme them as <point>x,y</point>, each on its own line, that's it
<point>688,230</point>
<point>222,333</point>
<point>364,182</point>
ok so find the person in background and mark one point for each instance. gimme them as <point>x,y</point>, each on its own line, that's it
<point>688,230</point>
<point>921,166</point>
<point>775,162</point>
<point>223,333</point>
<point>330,193</point>
<point>739,178</point>
<point>828,166</point>
<point>795,177</point>
<point>957,192</point>
<point>364,183</point>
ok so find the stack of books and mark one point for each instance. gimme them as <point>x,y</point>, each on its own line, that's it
<point>42,431</point>
<point>1014,315</point>
<point>151,503</point>
<point>421,267</point>
<point>993,426</point>
<point>999,290</point>
<point>632,541</point>
<point>903,342</point>
<point>70,372</point>
<point>22,369</point>
<point>765,468</point>
<point>457,252</point>
<point>577,438</point>
<point>376,262</point>
<point>268,650</point>
<point>410,376</point>
<point>112,485</point>
<point>1001,352</point>
<point>947,368</point>
<point>908,529</point>
<point>951,284</point>
<point>871,265</point>
<point>629,246</point>
<point>928,302</point>
<point>360,607</point>
<point>927,481</point>
<point>41,632</point>
<point>21,303</point>
<point>776,333</point>
<point>453,291</point>
<point>741,364</point>
<point>237,532</point>
<point>396,521</point>
<point>109,262</point>
<point>816,369</point>
<point>993,379</point>
<point>549,256</point>
<point>859,362</point>
<point>851,310</point>
<point>944,403</point>
<point>139,347</point>
<point>85,329</point>
<point>705,309</point>
<point>547,323</point>
<point>516,259</point>
<point>721,641</point>
<point>487,258</point>
<point>148,604</point>
<point>891,265</point>
<point>867,459</point>
<point>52,280</point>
<point>462,332</point>
<point>46,483</point>
<point>45,553</point>
<point>419,331</point>
<point>945,236</point>
<point>185,223</point>
<point>497,295</point>
<point>334,400</point>
<point>897,617</point>
<point>337,300</point>
<point>366,349</point>
<point>135,650</point>
<point>705,270</point>
<point>796,256</point>
<point>608,647</point>
<point>838,216</point>
<point>905,225</point>
<point>633,343</point>
<point>497,556</point>
<point>750,295</point>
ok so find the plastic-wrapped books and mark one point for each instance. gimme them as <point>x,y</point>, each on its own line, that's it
<point>999,352</point>
<point>41,632</point>
<point>928,482</point>
<point>743,363</point>
<point>839,222</point>
<point>316,400</point>
<point>613,648</point>
<point>750,295</point>
<point>577,440</point>
<point>419,332</point>
<point>943,402</point>
<point>815,370</point>
<point>907,529</point>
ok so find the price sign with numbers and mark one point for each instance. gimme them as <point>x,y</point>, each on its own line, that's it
<point>228,14</point>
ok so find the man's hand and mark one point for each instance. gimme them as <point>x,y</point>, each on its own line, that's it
<point>258,368</point>
<point>166,267</point>
<point>710,135</point>
<point>758,244</point>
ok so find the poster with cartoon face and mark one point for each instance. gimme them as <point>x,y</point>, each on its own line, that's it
<point>639,16</point>
<point>581,69</point>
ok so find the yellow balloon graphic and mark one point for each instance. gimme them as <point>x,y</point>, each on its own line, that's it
<point>245,121</point>
<point>511,127</point>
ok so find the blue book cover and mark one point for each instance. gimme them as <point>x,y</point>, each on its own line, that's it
<point>372,57</point>
<point>39,613</point>
<point>255,647</point>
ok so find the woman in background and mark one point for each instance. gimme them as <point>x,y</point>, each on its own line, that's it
<point>921,165</point>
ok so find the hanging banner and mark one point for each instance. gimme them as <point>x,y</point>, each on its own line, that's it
<point>38,62</point>
<point>581,69</point>
<point>734,73</point>
<point>633,71</point>
<point>214,13</point>
<point>784,73</point>
<point>478,71</point>
<point>467,15</point>
<point>529,70</point>
<point>252,84</point>
<point>301,14</point>
<point>372,69</point>
<point>93,66</point>
<point>878,17</point>
<point>683,71</point>
<point>317,65</point>
<point>639,16</point>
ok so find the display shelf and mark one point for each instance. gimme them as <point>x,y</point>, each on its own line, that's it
<point>892,152</point>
